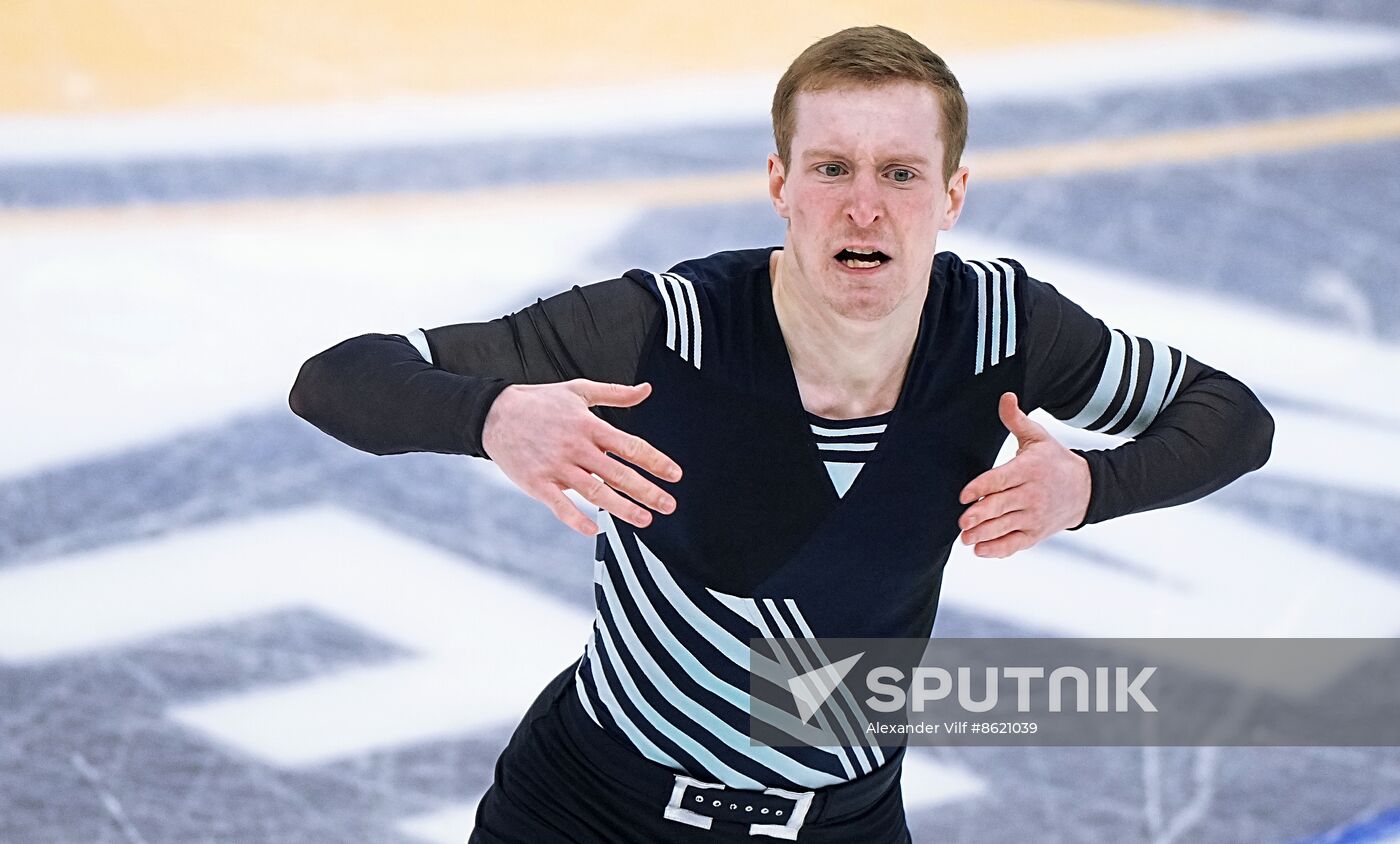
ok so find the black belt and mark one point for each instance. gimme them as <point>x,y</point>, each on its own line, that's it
<point>775,812</point>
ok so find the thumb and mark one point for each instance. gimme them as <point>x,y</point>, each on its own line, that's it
<point>612,395</point>
<point>1019,424</point>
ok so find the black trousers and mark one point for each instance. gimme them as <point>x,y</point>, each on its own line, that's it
<point>563,779</point>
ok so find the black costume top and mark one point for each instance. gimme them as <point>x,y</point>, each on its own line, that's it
<point>789,525</point>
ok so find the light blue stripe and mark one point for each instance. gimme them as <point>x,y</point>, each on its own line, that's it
<point>1134,361</point>
<point>1010,307</point>
<point>710,630</point>
<point>807,667</point>
<point>752,606</point>
<point>583,696</point>
<point>735,740</point>
<point>981,316</point>
<point>1153,399</point>
<point>841,688</point>
<point>739,698</point>
<point>420,342</point>
<point>1176,380</point>
<point>693,304</point>
<point>997,284</point>
<point>712,764</point>
<point>742,607</point>
<point>682,316</point>
<point>849,432</point>
<point>671,315</point>
<point>600,682</point>
<point>847,446</point>
<point>1107,386</point>
<point>684,657</point>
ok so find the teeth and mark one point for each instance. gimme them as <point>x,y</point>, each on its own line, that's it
<point>862,251</point>
<point>860,265</point>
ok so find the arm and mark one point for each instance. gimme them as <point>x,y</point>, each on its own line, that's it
<point>1194,429</point>
<point>389,394</point>
<point>520,387</point>
<point>376,393</point>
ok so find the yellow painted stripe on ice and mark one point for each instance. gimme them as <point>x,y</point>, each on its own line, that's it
<point>110,55</point>
<point>1083,157</point>
<point>1184,147</point>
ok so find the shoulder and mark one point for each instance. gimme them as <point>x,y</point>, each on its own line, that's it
<point>726,267</point>
<point>968,276</point>
<point>992,297</point>
<point>997,286</point>
<point>713,275</point>
<point>700,297</point>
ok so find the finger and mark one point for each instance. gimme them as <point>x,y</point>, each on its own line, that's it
<point>626,480</point>
<point>638,452</point>
<point>1007,475</point>
<point>991,506</point>
<point>597,492</point>
<point>995,528</point>
<point>611,395</point>
<point>1017,422</point>
<point>1004,546</point>
<point>567,512</point>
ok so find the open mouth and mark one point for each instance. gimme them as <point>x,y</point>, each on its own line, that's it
<point>862,259</point>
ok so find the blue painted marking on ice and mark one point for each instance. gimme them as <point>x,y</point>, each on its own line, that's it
<point>1381,829</point>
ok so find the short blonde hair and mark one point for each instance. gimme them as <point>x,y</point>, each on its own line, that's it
<point>871,55</point>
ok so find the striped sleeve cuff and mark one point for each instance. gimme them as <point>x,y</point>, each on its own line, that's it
<point>1139,378</point>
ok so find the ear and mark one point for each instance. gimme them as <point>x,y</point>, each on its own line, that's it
<point>957,194</point>
<point>777,179</point>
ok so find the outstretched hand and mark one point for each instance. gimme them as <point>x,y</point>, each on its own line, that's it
<point>544,438</point>
<point>1042,490</point>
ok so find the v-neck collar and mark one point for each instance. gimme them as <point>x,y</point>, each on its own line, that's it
<point>793,397</point>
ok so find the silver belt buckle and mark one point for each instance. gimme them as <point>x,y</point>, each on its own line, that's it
<point>674,810</point>
<point>802,801</point>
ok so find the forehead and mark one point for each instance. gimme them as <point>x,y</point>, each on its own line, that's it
<point>884,120</point>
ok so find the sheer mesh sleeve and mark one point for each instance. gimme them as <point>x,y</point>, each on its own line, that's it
<point>1194,429</point>
<point>431,390</point>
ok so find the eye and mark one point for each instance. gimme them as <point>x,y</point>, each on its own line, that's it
<point>902,174</point>
<point>831,170</point>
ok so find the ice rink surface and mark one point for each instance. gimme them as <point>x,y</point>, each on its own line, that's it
<point>219,625</point>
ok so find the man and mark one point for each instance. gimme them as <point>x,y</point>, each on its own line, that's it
<point>786,444</point>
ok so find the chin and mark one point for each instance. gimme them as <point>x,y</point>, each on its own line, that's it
<point>863,305</point>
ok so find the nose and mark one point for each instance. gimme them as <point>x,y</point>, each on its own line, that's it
<point>863,202</point>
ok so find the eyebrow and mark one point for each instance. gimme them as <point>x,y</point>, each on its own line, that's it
<point>812,154</point>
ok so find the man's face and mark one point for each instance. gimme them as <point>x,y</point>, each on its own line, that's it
<point>866,175</point>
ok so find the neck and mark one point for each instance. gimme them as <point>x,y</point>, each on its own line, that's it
<point>845,368</point>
